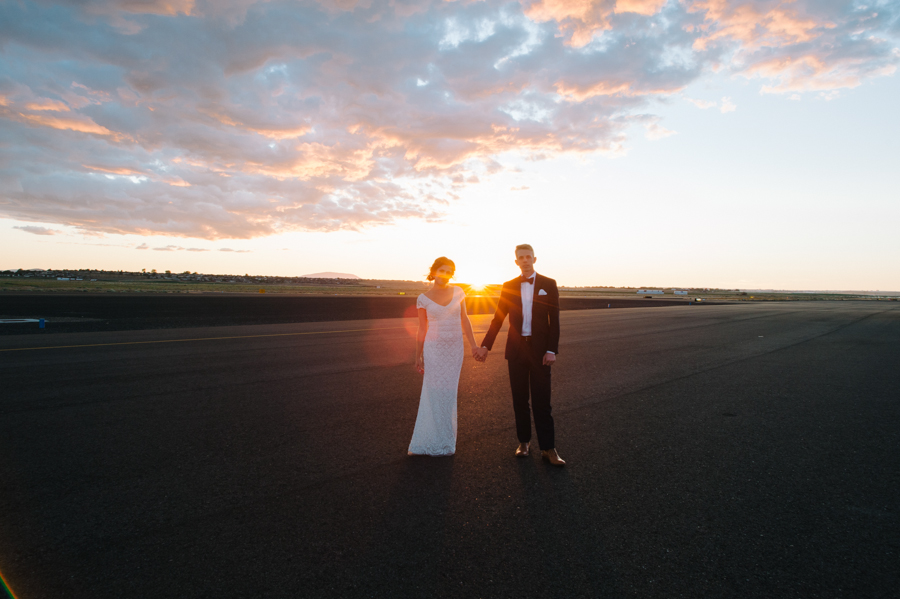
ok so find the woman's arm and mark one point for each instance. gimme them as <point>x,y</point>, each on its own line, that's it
<point>420,340</point>
<point>467,326</point>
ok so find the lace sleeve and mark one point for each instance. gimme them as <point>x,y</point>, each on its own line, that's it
<point>420,303</point>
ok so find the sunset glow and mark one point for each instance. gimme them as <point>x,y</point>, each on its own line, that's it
<point>477,288</point>
<point>742,143</point>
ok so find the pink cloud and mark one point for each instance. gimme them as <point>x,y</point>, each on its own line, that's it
<point>641,7</point>
<point>151,7</point>
<point>580,20</point>
<point>755,23</point>
<point>45,104</point>
<point>79,124</point>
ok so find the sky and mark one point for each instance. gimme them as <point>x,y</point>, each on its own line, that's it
<point>705,143</point>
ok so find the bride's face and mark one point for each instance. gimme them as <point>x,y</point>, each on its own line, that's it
<point>442,275</point>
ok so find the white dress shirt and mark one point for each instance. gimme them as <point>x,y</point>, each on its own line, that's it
<point>527,291</point>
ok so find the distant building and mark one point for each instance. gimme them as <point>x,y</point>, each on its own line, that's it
<point>650,291</point>
<point>678,292</point>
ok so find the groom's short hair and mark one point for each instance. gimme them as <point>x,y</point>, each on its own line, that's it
<point>524,246</point>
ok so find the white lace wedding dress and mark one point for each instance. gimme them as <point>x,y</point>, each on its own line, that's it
<point>435,432</point>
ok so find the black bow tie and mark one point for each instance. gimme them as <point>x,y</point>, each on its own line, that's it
<point>529,281</point>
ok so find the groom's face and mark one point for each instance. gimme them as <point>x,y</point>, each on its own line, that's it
<point>525,261</point>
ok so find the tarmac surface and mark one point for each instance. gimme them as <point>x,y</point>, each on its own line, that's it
<point>720,451</point>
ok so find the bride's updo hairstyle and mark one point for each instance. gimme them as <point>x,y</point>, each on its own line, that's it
<point>442,261</point>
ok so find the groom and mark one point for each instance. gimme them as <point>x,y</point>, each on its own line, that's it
<point>532,302</point>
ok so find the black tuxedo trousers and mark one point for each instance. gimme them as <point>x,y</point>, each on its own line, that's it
<point>529,376</point>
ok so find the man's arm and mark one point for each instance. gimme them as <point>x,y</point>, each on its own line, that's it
<point>499,317</point>
<point>553,304</point>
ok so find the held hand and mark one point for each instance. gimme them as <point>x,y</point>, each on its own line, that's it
<point>481,353</point>
<point>420,365</point>
<point>549,359</point>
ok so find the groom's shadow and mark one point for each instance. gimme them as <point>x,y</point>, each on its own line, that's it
<point>565,529</point>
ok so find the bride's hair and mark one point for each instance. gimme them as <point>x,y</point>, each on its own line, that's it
<point>442,261</point>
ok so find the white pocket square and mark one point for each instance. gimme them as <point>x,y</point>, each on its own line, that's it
<point>542,292</point>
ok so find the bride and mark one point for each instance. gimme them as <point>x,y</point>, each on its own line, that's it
<point>439,356</point>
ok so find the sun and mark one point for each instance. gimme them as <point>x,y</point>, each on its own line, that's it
<point>478,280</point>
<point>477,287</point>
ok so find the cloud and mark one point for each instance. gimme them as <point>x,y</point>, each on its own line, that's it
<point>37,230</point>
<point>240,118</point>
<point>656,131</point>
<point>580,20</point>
<point>702,104</point>
<point>79,124</point>
<point>235,251</point>
<point>801,45</point>
<point>174,248</point>
<point>726,104</point>
<point>143,246</point>
<point>148,7</point>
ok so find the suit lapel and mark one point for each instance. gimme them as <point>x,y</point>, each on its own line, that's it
<point>537,305</point>
<point>515,288</point>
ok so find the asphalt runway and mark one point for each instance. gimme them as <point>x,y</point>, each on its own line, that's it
<point>88,312</point>
<point>726,451</point>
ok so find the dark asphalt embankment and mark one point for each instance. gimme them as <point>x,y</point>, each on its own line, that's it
<point>72,313</point>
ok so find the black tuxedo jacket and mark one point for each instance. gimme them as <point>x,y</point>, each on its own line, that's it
<point>544,317</point>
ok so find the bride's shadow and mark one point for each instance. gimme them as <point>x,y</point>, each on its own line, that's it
<point>564,529</point>
<point>404,546</point>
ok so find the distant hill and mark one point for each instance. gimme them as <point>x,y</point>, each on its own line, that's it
<point>330,275</point>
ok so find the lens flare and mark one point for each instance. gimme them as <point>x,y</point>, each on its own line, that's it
<point>6,587</point>
<point>410,322</point>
